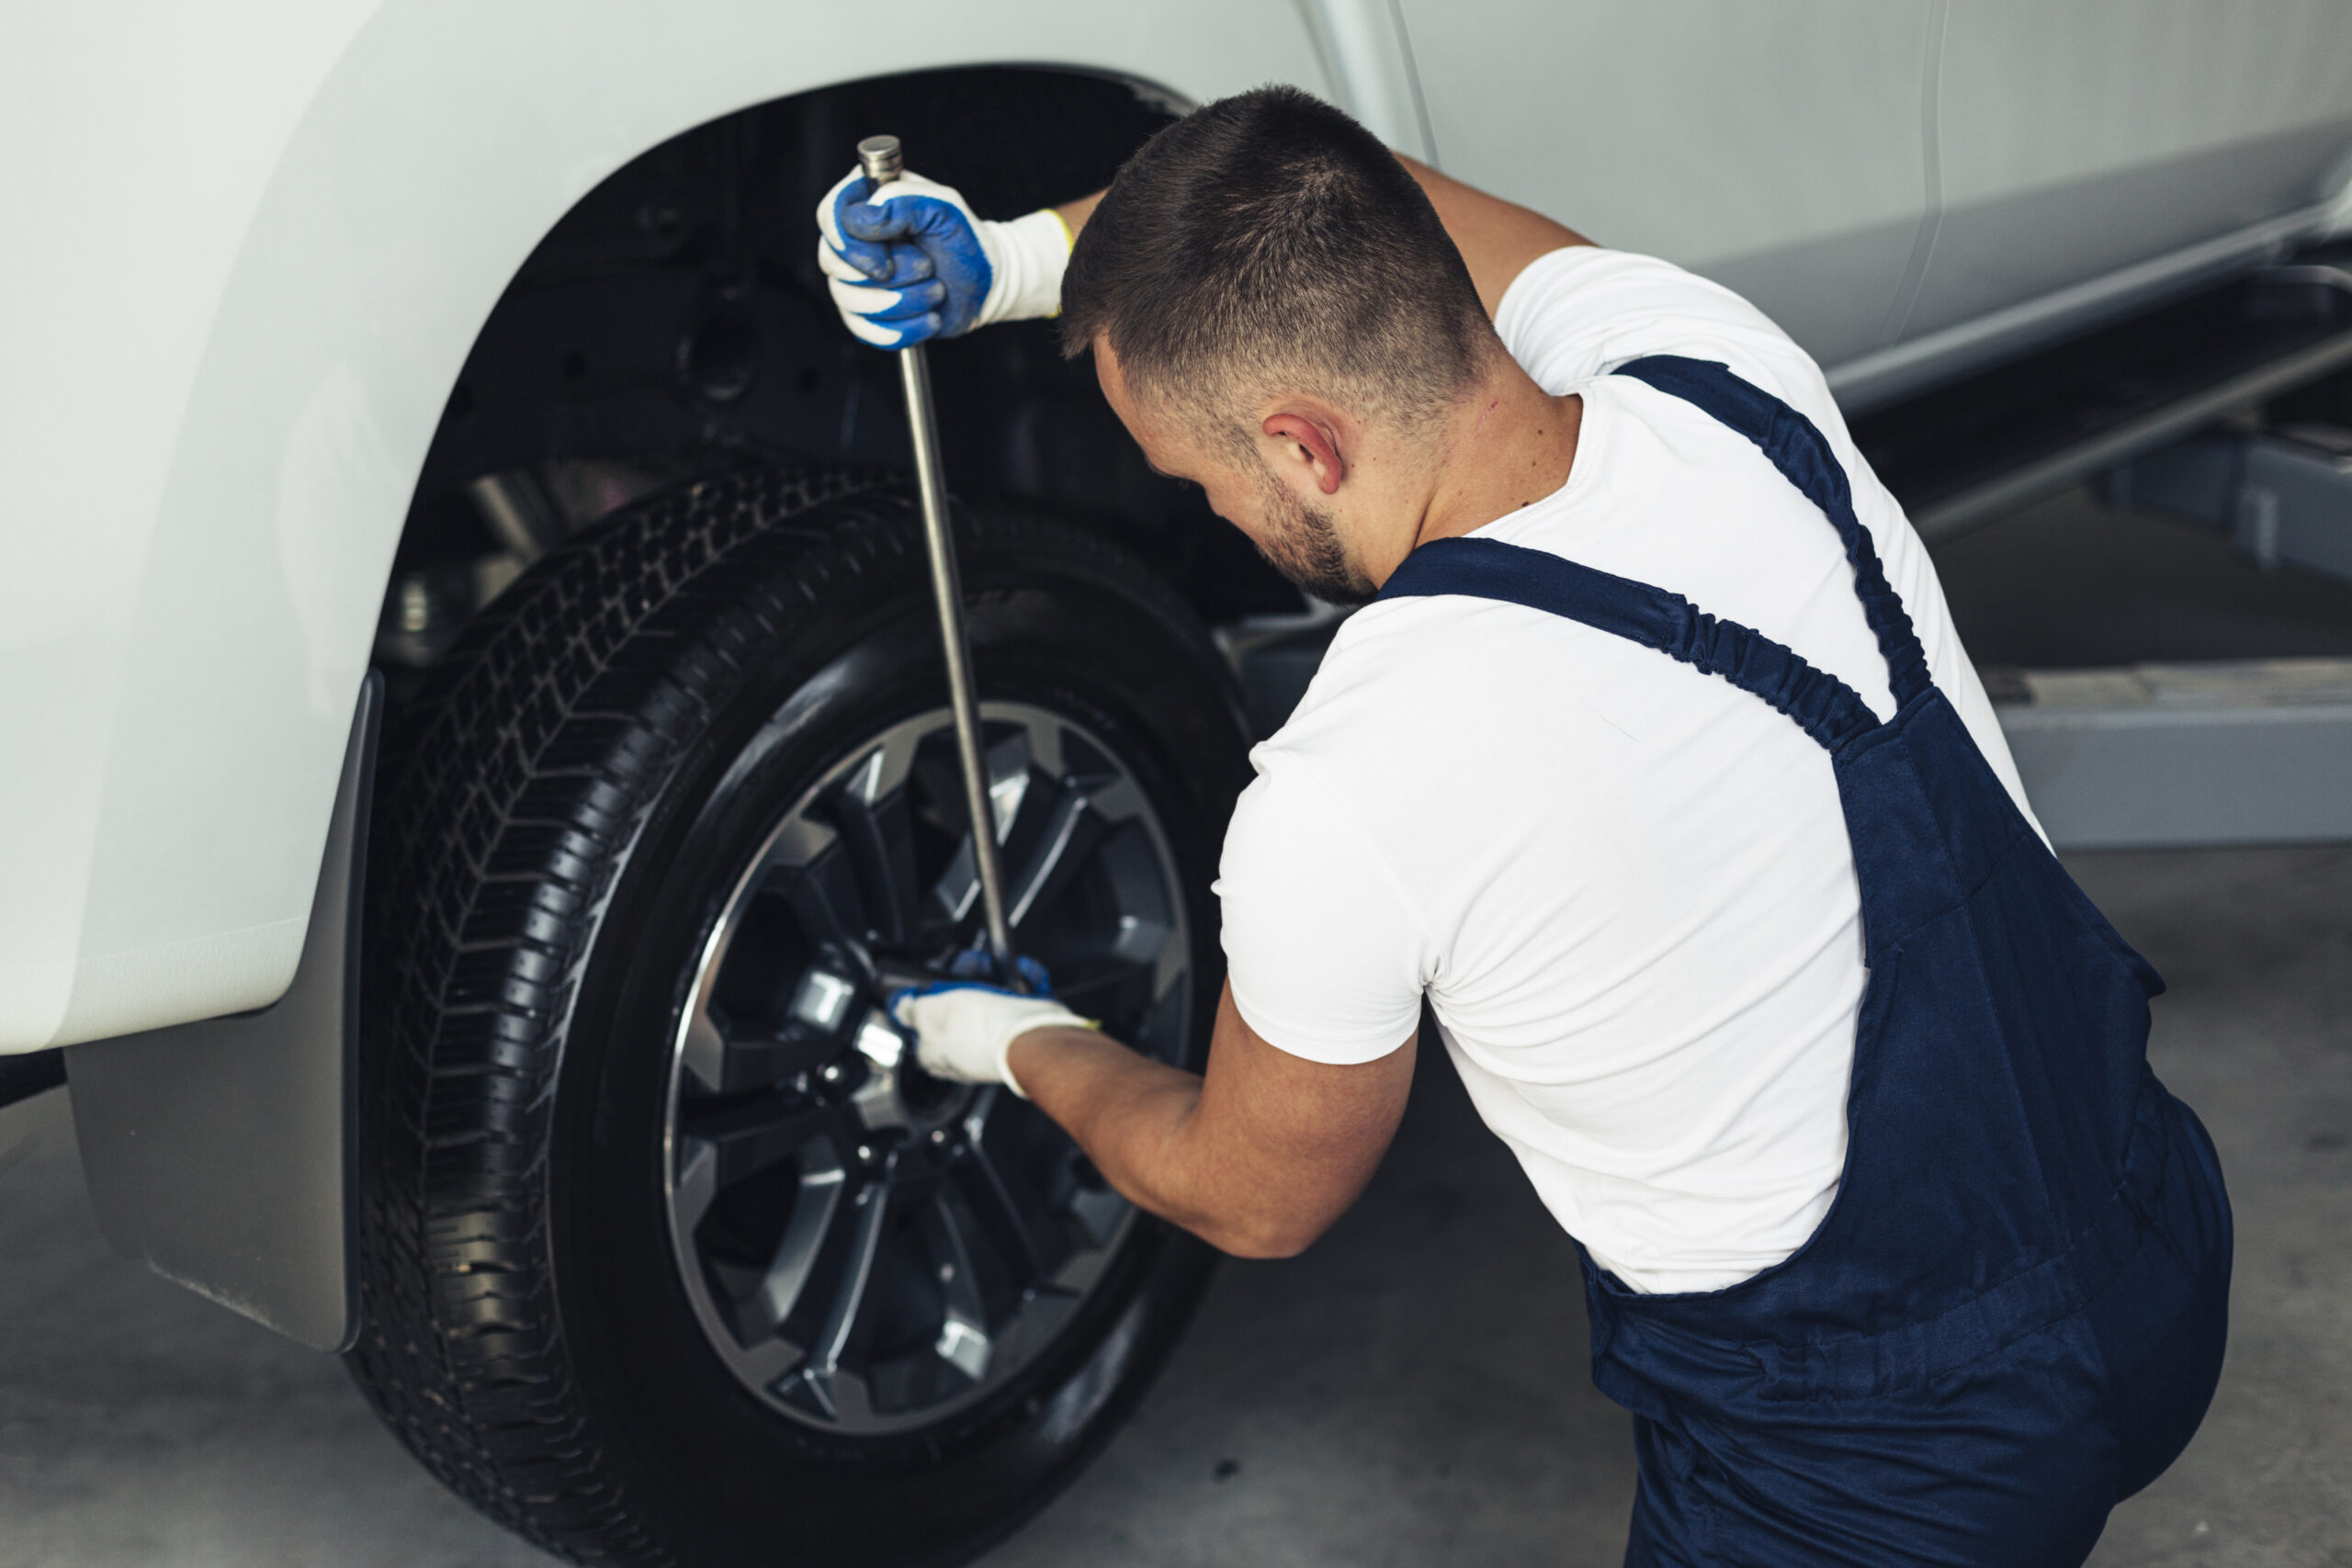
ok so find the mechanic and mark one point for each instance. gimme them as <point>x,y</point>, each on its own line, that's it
<point>1738,928</point>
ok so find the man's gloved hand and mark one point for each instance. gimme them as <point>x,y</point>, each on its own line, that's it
<point>909,262</point>
<point>963,1029</point>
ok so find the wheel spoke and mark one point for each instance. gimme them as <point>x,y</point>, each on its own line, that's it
<point>1098,1211</point>
<point>1091,987</point>
<point>825,898</point>
<point>747,1138</point>
<point>1042,736</point>
<point>762,1363</point>
<point>695,1185</point>
<point>1071,834</point>
<point>726,1064</point>
<point>957,891</point>
<point>839,1393</point>
<point>1118,800</point>
<point>964,1341</point>
<point>815,1208</point>
<point>1010,777</point>
<point>1142,941</point>
<point>1008,1193</point>
<point>821,1373</point>
<point>1148,935</point>
<point>878,827</point>
<point>703,1052</point>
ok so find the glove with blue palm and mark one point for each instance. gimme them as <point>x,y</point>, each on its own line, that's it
<point>910,261</point>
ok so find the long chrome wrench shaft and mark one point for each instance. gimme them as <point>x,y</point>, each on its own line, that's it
<point>881,159</point>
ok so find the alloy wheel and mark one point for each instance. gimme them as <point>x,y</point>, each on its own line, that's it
<point>870,1249</point>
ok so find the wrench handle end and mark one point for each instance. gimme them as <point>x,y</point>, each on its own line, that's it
<point>881,159</point>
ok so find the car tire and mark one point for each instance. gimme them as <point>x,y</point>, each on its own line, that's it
<point>600,949</point>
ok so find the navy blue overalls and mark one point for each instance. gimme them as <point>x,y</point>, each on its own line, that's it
<point>2013,1314</point>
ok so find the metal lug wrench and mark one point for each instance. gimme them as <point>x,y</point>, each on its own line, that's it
<point>881,160</point>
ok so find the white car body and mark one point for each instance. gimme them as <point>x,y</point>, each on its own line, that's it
<point>252,242</point>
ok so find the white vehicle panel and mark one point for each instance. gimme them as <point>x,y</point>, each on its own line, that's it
<point>1775,145</point>
<point>2076,140</point>
<point>140,176</point>
<point>228,354</point>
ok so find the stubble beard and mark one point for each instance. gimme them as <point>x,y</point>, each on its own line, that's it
<point>1303,543</point>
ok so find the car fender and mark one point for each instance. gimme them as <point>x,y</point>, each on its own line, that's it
<point>267,236</point>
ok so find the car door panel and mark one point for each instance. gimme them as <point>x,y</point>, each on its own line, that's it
<point>2078,139</point>
<point>1775,145</point>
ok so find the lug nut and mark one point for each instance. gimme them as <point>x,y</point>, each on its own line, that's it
<point>865,1154</point>
<point>832,1073</point>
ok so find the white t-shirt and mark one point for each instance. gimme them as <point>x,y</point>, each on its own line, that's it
<point>1624,885</point>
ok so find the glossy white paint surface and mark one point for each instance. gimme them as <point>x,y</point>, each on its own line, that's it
<point>251,243</point>
<point>138,176</point>
<point>1773,144</point>
<point>2082,137</point>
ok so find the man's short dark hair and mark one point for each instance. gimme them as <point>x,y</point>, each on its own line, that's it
<point>1268,242</point>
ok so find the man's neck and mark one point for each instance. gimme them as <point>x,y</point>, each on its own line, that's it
<point>1508,445</point>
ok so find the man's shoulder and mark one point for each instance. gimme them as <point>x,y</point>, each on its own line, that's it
<point>1584,291</point>
<point>1387,668</point>
<point>1368,709</point>
<point>1580,312</point>
<point>1419,699</point>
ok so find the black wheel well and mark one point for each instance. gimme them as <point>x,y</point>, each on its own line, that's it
<point>674,323</point>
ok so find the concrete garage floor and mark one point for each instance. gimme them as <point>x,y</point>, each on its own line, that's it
<point>1411,1392</point>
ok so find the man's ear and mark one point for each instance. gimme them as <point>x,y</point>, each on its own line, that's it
<point>1309,443</point>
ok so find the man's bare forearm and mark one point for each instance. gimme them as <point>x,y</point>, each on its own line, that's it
<point>1258,1157</point>
<point>1128,1113</point>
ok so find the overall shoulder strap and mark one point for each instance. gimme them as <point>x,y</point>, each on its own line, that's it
<point>1824,706</point>
<point>1796,447</point>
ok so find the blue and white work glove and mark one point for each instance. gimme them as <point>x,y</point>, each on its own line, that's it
<point>910,261</point>
<point>964,1029</point>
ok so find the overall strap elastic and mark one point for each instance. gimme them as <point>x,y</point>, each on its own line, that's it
<point>1796,447</point>
<point>1824,706</point>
